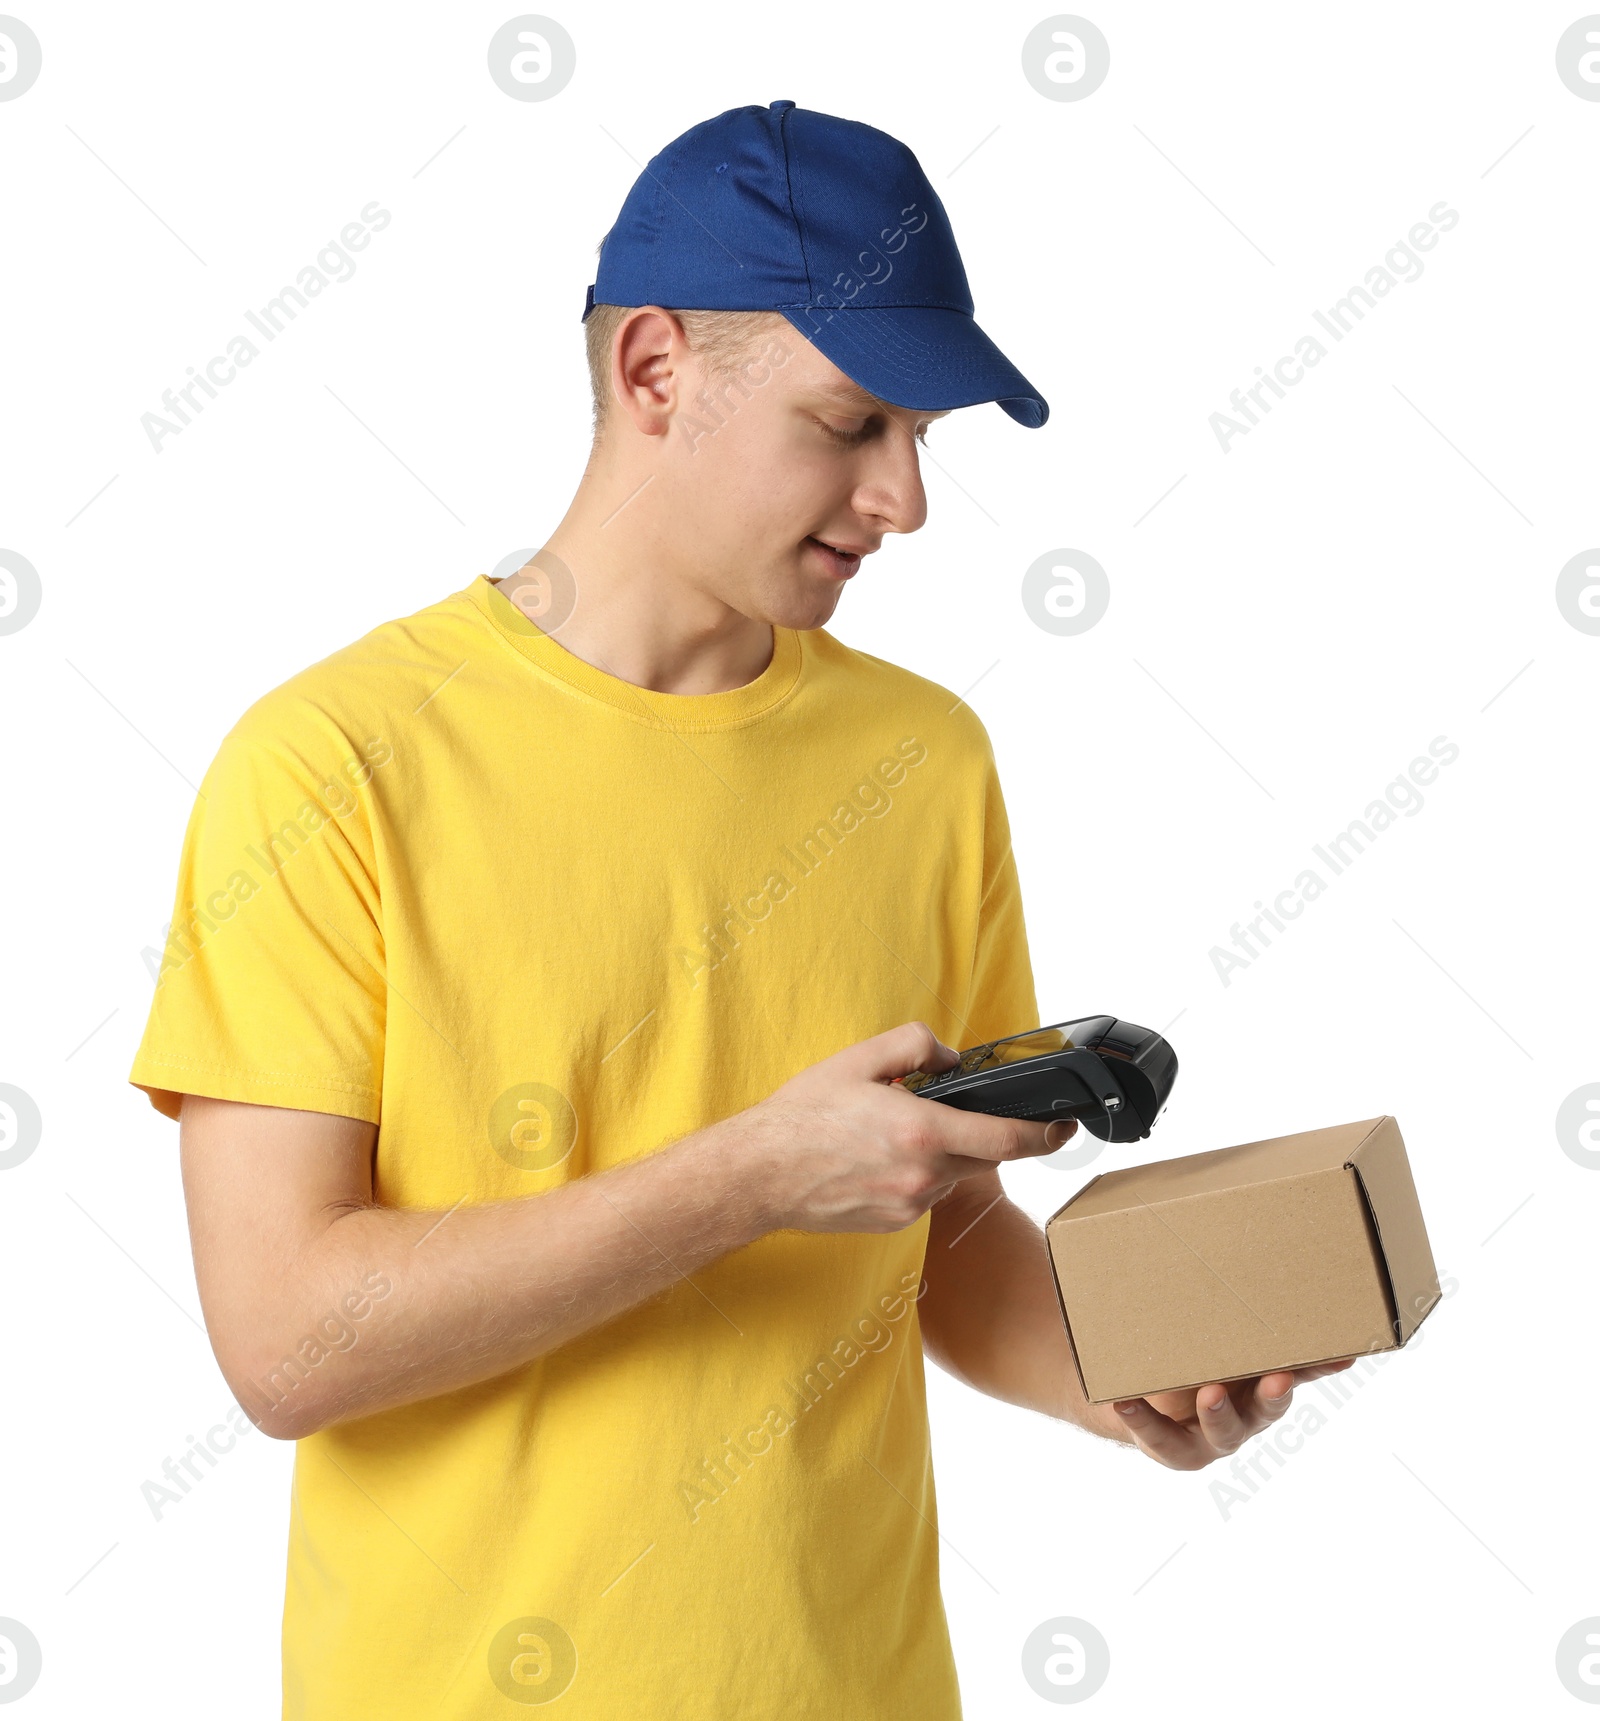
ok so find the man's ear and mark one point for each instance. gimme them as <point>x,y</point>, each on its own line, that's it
<point>648,360</point>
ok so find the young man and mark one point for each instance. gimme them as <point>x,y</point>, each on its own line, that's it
<point>541,967</point>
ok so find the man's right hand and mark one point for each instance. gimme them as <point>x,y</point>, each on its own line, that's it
<point>840,1148</point>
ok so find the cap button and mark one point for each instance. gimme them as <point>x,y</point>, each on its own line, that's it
<point>780,107</point>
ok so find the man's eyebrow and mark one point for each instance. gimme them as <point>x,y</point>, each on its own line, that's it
<point>852,397</point>
<point>848,394</point>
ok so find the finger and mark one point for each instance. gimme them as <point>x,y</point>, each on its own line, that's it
<point>1317,1370</point>
<point>989,1140</point>
<point>960,1168</point>
<point>1060,1132</point>
<point>1269,1398</point>
<point>977,1153</point>
<point>1302,1376</point>
<point>1220,1421</point>
<point>1159,1437</point>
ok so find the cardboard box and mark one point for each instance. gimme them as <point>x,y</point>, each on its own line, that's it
<point>1218,1266</point>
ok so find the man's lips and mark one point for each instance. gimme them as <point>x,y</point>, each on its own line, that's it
<point>842,561</point>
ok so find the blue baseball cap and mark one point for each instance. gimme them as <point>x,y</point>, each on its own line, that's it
<point>833,224</point>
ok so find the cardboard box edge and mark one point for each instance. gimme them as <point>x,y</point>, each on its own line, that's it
<point>1074,1196</point>
<point>1402,1331</point>
<point>1061,1304</point>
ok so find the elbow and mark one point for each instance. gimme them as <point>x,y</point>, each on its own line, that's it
<point>292,1377</point>
<point>287,1421</point>
<point>279,1393</point>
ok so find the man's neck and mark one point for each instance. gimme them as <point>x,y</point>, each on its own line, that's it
<point>639,613</point>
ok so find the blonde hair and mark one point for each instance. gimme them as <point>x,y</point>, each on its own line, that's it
<point>722,339</point>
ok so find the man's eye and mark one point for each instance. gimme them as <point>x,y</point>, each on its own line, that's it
<point>863,432</point>
<point>847,438</point>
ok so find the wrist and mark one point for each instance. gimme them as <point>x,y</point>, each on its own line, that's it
<point>734,1177</point>
<point>1103,1419</point>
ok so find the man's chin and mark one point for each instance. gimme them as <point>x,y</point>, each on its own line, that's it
<point>801,604</point>
<point>816,610</point>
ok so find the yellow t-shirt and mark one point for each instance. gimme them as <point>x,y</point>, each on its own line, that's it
<point>534,921</point>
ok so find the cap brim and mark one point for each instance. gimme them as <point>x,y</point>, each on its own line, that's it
<point>920,357</point>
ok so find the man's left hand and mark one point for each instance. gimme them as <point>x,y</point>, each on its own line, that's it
<point>1190,1429</point>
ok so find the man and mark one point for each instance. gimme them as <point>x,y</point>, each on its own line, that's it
<point>540,973</point>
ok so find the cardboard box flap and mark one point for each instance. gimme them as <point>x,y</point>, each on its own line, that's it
<point>1229,1168</point>
<point>1379,1160</point>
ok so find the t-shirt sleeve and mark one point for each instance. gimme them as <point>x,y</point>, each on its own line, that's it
<point>272,985</point>
<point>1001,999</point>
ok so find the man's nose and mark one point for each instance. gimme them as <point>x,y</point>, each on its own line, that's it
<point>892,489</point>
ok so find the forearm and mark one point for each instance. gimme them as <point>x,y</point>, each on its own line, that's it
<point>322,1306</point>
<point>990,1315</point>
<point>460,1297</point>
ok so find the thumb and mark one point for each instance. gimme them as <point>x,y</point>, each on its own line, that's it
<point>897,1052</point>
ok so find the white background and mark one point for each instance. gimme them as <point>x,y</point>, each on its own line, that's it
<point>1373,566</point>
